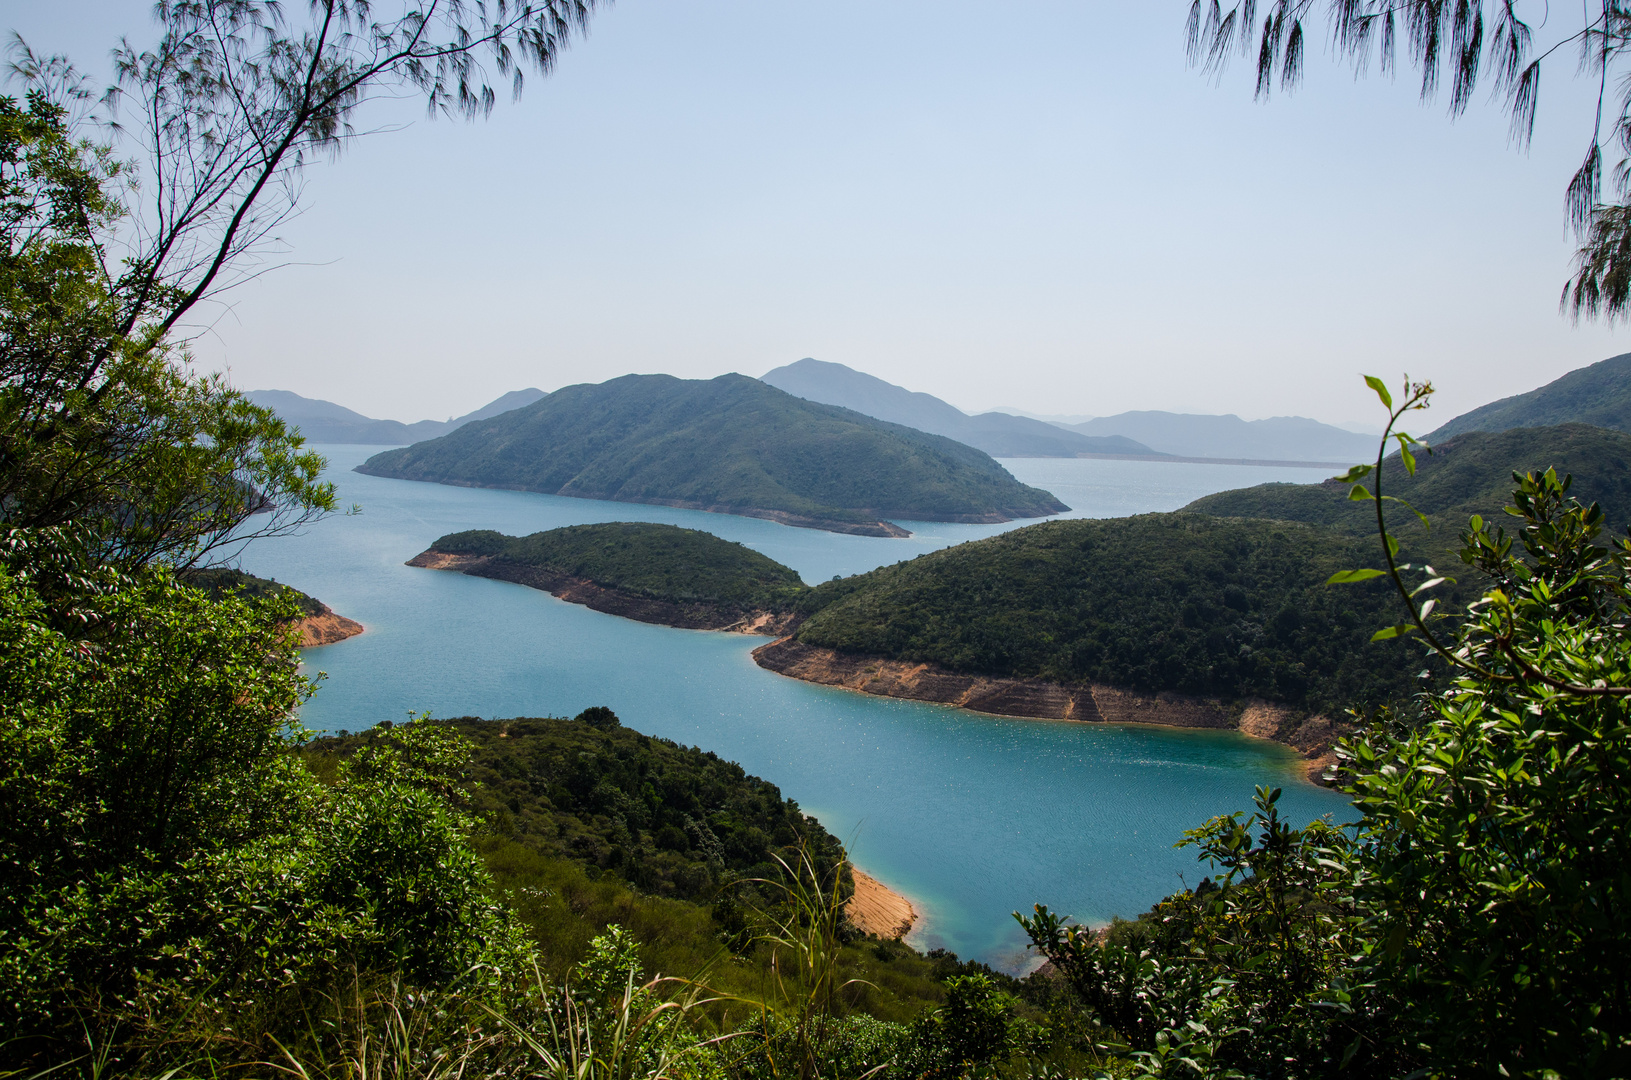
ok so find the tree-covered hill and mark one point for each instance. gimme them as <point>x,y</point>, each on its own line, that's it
<point>1464,475</point>
<point>672,820</point>
<point>222,581</point>
<point>730,445</point>
<point>1162,602</point>
<point>1599,394</point>
<point>664,562</point>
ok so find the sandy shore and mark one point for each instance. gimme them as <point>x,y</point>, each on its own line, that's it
<point>879,910</point>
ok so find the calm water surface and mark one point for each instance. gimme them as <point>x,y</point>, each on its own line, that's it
<point>971,816</point>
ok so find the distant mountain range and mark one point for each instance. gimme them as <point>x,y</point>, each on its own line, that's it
<point>998,434</point>
<point>1279,438</point>
<point>730,445</point>
<point>1599,395</point>
<point>325,422</point>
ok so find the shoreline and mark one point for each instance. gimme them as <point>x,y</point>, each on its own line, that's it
<point>877,909</point>
<point>1311,736</point>
<point>326,628</point>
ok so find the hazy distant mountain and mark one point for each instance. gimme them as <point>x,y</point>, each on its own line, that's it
<point>731,445</point>
<point>325,422</point>
<point>999,434</point>
<point>1062,419</point>
<point>1279,438</point>
<point>1599,395</point>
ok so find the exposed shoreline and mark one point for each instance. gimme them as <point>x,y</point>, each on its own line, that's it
<point>1311,736</point>
<point>629,605</point>
<point>326,629</point>
<point>877,909</point>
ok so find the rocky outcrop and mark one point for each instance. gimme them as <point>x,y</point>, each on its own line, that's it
<point>1311,736</point>
<point>325,629</point>
<point>612,601</point>
<point>877,909</point>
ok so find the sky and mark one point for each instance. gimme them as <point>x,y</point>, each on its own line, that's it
<point>1036,204</point>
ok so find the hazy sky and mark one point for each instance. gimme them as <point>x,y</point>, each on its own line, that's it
<point>1034,204</point>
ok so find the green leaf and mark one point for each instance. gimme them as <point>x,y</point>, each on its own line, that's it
<point>1354,474</point>
<point>1406,456</point>
<point>1397,630</point>
<point>1344,577</point>
<point>1381,390</point>
<point>1358,493</point>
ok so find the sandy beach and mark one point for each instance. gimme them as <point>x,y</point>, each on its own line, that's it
<point>877,909</point>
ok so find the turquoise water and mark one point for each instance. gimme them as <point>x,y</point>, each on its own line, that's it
<point>971,816</point>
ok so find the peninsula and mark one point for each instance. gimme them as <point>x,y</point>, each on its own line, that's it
<point>1050,621</point>
<point>318,624</point>
<point>728,445</point>
<point>639,570</point>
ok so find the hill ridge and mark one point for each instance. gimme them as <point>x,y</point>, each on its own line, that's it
<point>726,445</point>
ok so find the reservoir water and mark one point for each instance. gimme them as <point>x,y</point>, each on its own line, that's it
<point>971,816</point>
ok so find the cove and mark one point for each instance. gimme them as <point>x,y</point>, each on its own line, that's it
<point>971,816</point>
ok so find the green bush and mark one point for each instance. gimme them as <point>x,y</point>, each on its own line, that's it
<point>163,848</point>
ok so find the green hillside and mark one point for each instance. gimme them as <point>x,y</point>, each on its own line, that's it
<point>223,581</point>
<point>731,444</point>
<point>1177,602</point>
<point>1599,395</point>
<point>1465,475</point>
<point>584,823</point>
<point>660,561</point>
<point>672,820</point>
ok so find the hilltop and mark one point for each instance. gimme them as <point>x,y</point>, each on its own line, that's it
<point>1599,394</point>
<point>999,434</point>
<point>1465,474</point>
<point>728,445</point>
<point>639,570</point>
<point>325,422</point>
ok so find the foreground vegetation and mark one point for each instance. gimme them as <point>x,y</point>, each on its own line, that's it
<point>730,444</point>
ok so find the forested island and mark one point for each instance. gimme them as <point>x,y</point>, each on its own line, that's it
<point>639,570</point>
<point>729,445</point>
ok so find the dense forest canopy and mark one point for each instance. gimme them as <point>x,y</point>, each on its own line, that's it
<point>671,820</point>
<point>661,561</point>
<point>1182,602</point>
